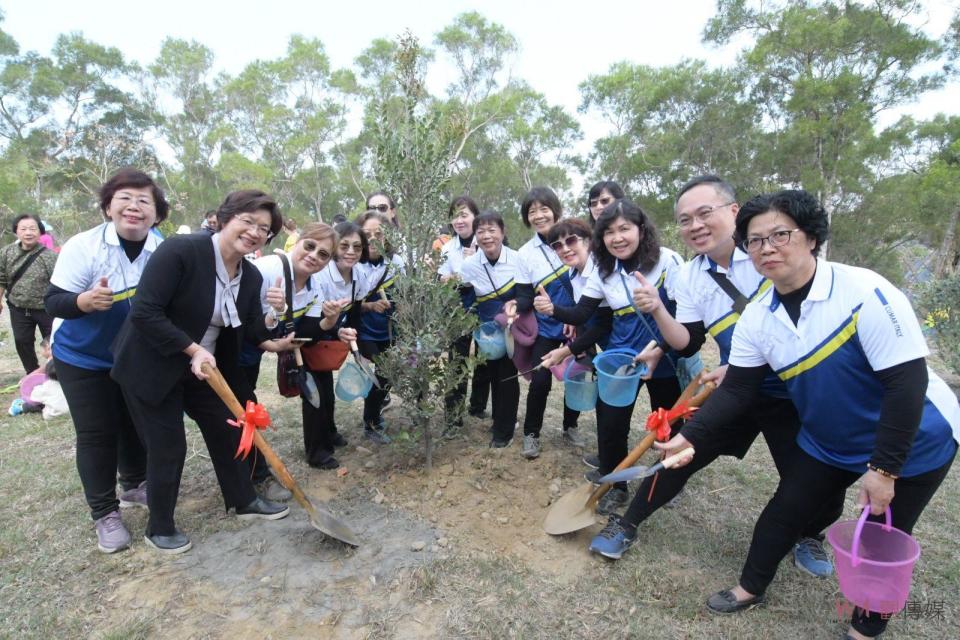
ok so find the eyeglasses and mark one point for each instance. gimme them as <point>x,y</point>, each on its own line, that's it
<point>775,239</point>
<point>310,246</point>
<point>569,242</point>
<point>356,247</point>
<point>261,229</point>
<point>382,208</point>
<point>125,199</point>
<point>703,215</point>
<point>600,202</point>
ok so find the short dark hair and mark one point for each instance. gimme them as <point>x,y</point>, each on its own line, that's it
<point>463,201</point>
<point>131,177</point>
<point>373,214</point>
<point>805,210</point>
<point>648,252</point>
<point>28,216</point>
<point>569,227</point>
<point>393,203</point>
<point>345,229</point>
<point>488,218</point>
<point>248,201</point>
<point>718,183</point>
<point>543,195</point>
<point>608,185</point>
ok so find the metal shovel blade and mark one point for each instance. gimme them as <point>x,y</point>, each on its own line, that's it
<point>625,369</point>
<point>508,340</point>
<point>627,475</point>
<point>325,522</point>
<point>571,512</point>
<point>308,386</point>
<point>360,363</point>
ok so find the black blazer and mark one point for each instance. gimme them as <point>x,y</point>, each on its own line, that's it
<point>172,309</point>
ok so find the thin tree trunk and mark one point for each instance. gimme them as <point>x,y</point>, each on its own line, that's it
<point>947,255</point>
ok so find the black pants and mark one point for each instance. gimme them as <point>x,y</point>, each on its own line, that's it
<point>506,397</point>
<point>24,323</point>
<point>804,487</point>
<point>613,423</point>
<point>107,443</point>
<point>161,428</point>
<point>373,403</point>
<point>777,419</point>
<point>480,386</point>
<point>259,470</point>
<point>319,428</point>
<point>540,383</point>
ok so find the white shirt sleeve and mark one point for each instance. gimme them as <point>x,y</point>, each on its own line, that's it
<point>594,286</point>
<point>745,348</point>
<point>672,267</point>
<point>686,304</point>
<point>888,328</point>
<point>523,270</point>
<point>74,268</point>
<point>265,267</point>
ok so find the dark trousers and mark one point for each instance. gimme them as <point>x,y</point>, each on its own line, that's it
<point>107,443</point>
<point>373,403</point>
<point>479,389</point>
<point>506,397</point>
<point>319,428</point>
<point>259,470</point>
<point>540,383</point>
<point>24,323</point>
<point>777,419</point>
<point>804,487</point>
<point>161,428</point>
<point>613,423</point>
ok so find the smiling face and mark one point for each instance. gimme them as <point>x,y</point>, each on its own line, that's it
<point>541,217</point>
<point>311,256</point>
<point>133,211</point>
<point>349,251</point>
<point>490,240</point>
<point>244,233</point>
<point>572,250</point>
<point>789,266</point>
<point>707,220</point>
<point>28,233</point>
<point>622,238</point>
<point>462,223</point>
<point>598,204</point>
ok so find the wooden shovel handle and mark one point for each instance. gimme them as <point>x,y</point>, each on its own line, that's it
<point>689,396</point>
<point>226,394</point>
<point>298,357</point>
<point>677,458</point>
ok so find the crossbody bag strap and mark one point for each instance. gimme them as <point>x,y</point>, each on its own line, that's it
<point>626,290</point>
<point>383,278</point>
<point>565,282</point>
<point>739,300</point>
<point>22,269</point>
<point>493,284</point>
<point>288,285</point>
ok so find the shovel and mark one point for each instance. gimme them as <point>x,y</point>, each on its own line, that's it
<point>308,386</point>
<point>363,366</point>
<point>320,518</point>
<point>628,369</point>
<point>641,471</point>
<point>508,338</point>
<point>577,509</point>
<point>523,373</point>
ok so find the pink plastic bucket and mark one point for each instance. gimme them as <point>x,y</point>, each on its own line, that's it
<point>874,562</point>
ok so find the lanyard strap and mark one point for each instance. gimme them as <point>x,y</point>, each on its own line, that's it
<point>626,290</point>
<point>565,282</point>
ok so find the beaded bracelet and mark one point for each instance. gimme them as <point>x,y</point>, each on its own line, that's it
<point>883,472</point>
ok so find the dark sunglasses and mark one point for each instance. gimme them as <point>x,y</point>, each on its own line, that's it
<point>382,208</point>
<point>570,242</point>
<point>600,202</point>
<point>310,246</point>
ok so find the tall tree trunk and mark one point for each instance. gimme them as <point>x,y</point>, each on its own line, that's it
<point>947,254</point>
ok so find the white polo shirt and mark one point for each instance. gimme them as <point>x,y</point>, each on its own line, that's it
<point>493,284</point>
<point>852,323</point>
<point>85,258</point>
<point>308,301</point>
<point>540,266</point>
<point>451,257</point>
<point>334,287</point>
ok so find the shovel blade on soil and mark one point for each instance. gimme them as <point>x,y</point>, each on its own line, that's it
<point>571,512</point>
<point>325,522</point>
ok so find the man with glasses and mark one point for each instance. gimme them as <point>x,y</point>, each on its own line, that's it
<point>711,292</point>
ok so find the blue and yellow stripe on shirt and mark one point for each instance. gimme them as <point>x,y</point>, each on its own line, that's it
<point>124,295</point>
<point>553,276</point>
<point>499,293</point>
<point>729,319</point>
<point>824,350</point>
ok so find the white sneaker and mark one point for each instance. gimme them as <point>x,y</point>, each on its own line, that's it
<point>574,438</point>
<point>531,447</point>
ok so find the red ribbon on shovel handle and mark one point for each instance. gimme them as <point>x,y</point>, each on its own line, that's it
<point>255,417</point>
<point>660,419</point>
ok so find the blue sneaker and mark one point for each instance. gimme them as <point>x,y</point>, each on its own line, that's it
<point>16,407</point>
<point>810,557</point>
<point>613,539</point>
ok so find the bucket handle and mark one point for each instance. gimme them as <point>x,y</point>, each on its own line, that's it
<point>858,531</point>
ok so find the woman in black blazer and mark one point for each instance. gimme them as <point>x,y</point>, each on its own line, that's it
<point>197,300</point>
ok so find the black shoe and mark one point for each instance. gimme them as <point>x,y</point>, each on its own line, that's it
<point>377,436</point>
<point>339,440</point>
<point>478,413</point>
<point>326,464</point>
<point>612,501</point>
<point>264,509</point>
<point>592,461</point>
<point>171,545</point>
<point>500,444</point>
<point>725,602</point>
<point>593,476</point>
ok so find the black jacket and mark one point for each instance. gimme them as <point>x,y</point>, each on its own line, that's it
<point>172,309</point>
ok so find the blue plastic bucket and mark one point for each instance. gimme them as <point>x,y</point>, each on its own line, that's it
<point>490,341</point>
<point>352,383</point>
<point>580,389</point>
<point>617,390</point>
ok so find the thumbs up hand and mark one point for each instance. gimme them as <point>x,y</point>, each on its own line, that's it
<point>542,302</point>
<point>99,298</point>
<point>646,298</point>
<point>276,296</point>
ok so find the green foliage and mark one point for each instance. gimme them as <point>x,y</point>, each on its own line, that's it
<point>939,304</point>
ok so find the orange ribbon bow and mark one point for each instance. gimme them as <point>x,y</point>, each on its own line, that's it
<point>254,417</point>
<point>660,419</point>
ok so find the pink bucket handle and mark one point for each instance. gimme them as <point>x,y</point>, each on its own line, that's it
<point>855,546</point>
